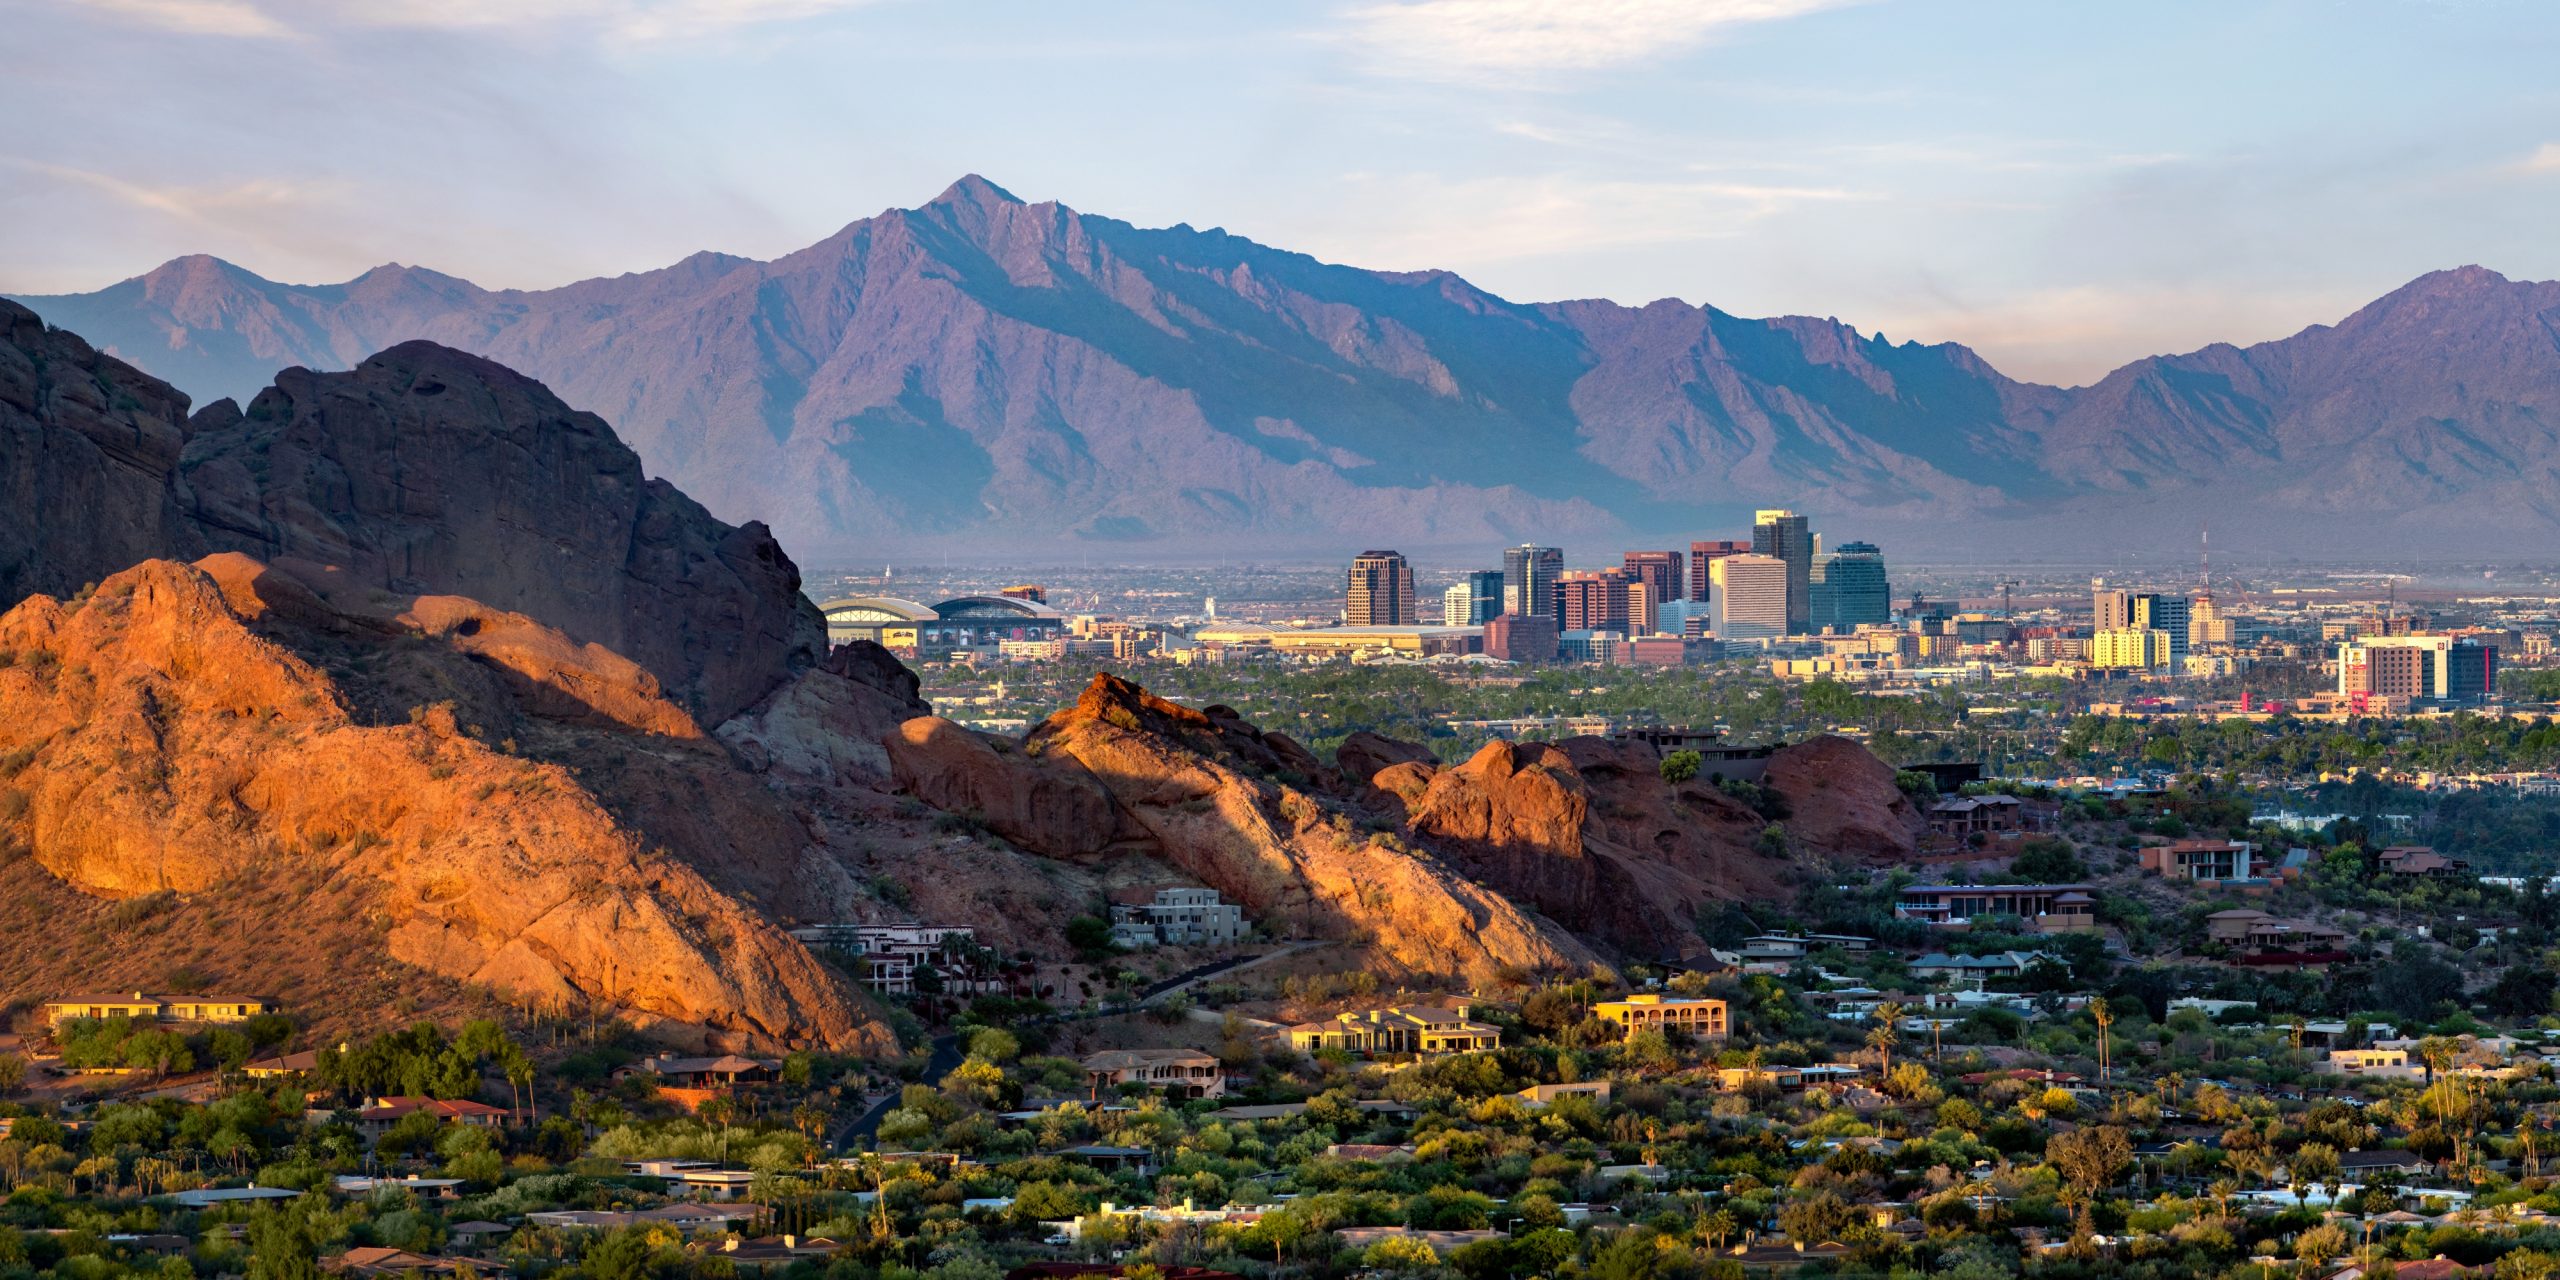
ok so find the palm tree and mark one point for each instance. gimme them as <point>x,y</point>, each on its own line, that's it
<point>2105,1019</point>
<point>1883,1036</point>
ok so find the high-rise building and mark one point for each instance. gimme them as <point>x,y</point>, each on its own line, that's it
<point>2422,667</point>
<point>1594,601</point>
<point>1702,554</point>
<point>1641,604</point>
<point>1516,637</point>
<point>1381,591</point>
<point>1660,572</point>
<point>1788,538</point>
<point>2207,626</point>
<point>1483,594</point>
<point>1456,604</point>
<point>1747,597</point>
<point>1849,589</point>
<point>2129,648</point>
<point>1529,576</point>
<point>2113,610</point>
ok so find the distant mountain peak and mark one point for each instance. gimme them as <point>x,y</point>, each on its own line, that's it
<point>975,191</point>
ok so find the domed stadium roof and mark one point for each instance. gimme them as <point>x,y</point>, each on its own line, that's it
<point>993,607</point>
<point>877,609</point>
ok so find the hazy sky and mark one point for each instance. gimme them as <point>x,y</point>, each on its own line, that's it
<point>2065,184</point>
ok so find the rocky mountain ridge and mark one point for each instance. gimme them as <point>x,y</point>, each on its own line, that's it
<point>984,371</point>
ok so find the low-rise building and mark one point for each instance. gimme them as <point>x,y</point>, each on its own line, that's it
<point>1401,1029</point>
<point>2391,1064</point>
<point>1539,1095</point>
<point>2419,860</point>
<point>150,1008</point>
<point>377,1119</point>
<point>1176,917</point>
<point>893,956</point>
<point>2208,861</point>
<point>1700,1016</point>
<point>1181,1073</point>
<point>1978,969</point>
<point>2051,908</point>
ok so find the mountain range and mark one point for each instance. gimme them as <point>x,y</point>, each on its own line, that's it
<point>988,373</point>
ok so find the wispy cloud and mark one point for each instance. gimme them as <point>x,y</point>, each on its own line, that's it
<point>1467,223</point>
<point>1474,39</point>
<point>2545,159</point>
<point>635,20</point>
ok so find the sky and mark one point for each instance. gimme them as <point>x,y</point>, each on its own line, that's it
<point>2063,184</point>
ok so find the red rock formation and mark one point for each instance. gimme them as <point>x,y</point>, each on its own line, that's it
<point>161,740</point>
<point>1207,794</point>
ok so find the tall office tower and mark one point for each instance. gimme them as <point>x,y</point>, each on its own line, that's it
<point>1747,597</point>
<point>2109,610</point>
<point>1529,576</point>
<point>1660,572</point>
<point>1381,591</point>
<point>1788,537</point>
<point>2207,626</point>
<point>1702,554</point>
<point>1484,595</point>
<point>1642,605</point>
<point>1457,606</point>
<point>2169,614</point>
<point>1593,601</point>
<point>1849,589</point>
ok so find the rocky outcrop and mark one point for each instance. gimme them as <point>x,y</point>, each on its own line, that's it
<point>159,736</point>
<point>830,724</point>
<point>1842,800</point>
<point>87,445</point>
<point>1243,812</point>
<point>423,472</point>
<point>1589,833</point>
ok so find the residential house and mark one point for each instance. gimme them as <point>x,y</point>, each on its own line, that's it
<point>2206,861</point>
<point>371,1261</point>
<point>2419,860</point>
<point>893,956</point>
<point>2389,1064</point>
<point>1539,1095</point>
<point>291,1064</point>
<point>1707,1019</point>
<point>722,1072</point>
<point>150,1008</point>
<point>1962,816</point>
<point>2051,908</point>
<point>1176,917</point>
<point>376,1120</point>
<point>1937,965</point>
<point>2278,943</point>
<point>1181,1073</point>
<point>1400,1029</point>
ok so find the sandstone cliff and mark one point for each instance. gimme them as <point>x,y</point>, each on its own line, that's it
<point>166,734</point>
<point>1589,833</point>
<point>1123,773</point>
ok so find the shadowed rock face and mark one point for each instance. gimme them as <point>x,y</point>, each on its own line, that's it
<point>167,733</point>
<point>423,472</point>
<point>429,471</point>
<point>1587,831</point>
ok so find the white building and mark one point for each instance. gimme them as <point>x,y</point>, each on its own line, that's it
<point>891,954</point>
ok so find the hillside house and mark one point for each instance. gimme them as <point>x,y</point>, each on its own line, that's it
<point>2204,861</point>
<point>1176,917</point>
<point>2419,860</point>
<point>1706,1019</point>
<point>376,1120</point>
<point>2050,908</point>
<point>1415,1029</point>
<point>150,1008</point>
<point>1180,1073</point>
